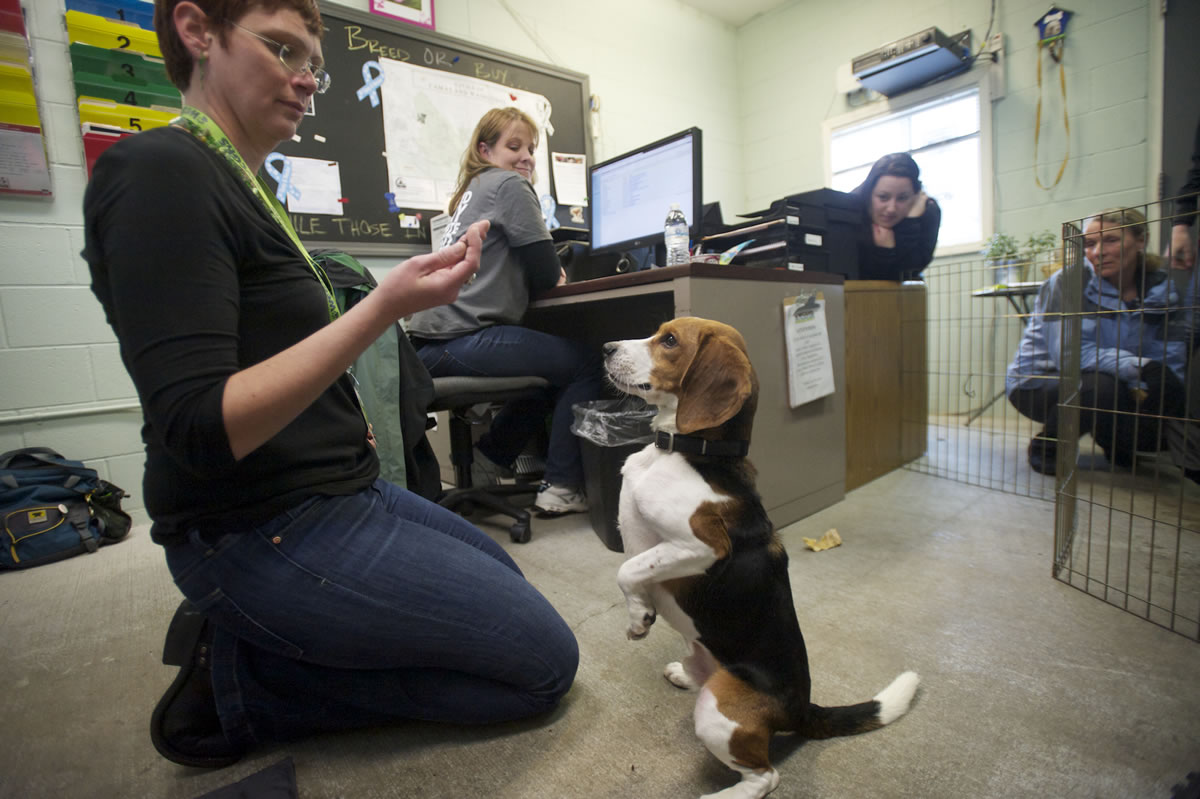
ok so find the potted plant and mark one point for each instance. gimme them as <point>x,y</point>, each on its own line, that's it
<point>1041,248</point>
<point>1001,253</point>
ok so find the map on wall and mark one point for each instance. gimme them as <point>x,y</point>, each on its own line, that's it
<point>429,117</point>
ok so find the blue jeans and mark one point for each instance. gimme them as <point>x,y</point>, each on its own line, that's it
<point>359,610</point>
<point>508,351</point>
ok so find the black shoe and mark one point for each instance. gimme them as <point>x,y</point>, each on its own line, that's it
<point>1043,454</point>
<point>1193,475</point>
<point>185,727</point>
<point>1122,460</point>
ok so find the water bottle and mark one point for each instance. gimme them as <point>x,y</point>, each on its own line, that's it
<point>675,232</point>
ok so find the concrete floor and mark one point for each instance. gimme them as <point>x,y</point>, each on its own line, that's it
<point>1030,687</point>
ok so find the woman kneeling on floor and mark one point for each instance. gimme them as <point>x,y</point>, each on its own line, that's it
<point>319,597</point>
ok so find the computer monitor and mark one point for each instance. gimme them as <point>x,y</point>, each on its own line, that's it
<point>631,194</point>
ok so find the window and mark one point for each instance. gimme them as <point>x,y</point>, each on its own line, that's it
<point>945,135</point>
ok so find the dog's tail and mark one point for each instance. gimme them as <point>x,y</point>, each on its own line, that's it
<point>888,705</point>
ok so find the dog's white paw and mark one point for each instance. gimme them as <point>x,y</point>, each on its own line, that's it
<point>637,632</point>
<point>641,617</point>
<point>678,676</point>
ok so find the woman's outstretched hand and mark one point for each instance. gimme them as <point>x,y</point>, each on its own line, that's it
<point>433,279</point>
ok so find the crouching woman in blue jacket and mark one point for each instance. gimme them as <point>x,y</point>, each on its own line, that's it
<point>1133,332</point>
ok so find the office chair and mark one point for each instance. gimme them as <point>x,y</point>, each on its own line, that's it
<point>457,395</point>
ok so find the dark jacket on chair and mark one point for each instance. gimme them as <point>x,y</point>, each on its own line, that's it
<point>393,385</point>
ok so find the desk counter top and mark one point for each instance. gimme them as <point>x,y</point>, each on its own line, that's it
<point>666,273</point>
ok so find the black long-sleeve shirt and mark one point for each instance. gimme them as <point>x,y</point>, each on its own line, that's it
<point>916,239</point>
<point>198,282</point>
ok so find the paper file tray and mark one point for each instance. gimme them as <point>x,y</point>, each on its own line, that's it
<point>18,108</point>
<point>11,19</point>
<point>18,104</point>
<point>120,115</point>
<point>119,64</point>
<point>110,34</point>
<point>14,48</point>
<point>98,139</point>
<point>16,78</point>
<point>128,91</point>
<point>134,11</point>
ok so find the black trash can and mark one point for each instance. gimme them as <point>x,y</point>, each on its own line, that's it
<point>609,431</point>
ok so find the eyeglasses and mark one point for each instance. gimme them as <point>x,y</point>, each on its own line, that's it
<point>294,60</point>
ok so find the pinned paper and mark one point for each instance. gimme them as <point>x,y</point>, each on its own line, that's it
<point>830,540</point>
<point>570,178</point>
<point>308,185</point>
<point>806,341</point>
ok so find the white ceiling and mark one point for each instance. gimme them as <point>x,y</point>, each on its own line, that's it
<point>736,12</point>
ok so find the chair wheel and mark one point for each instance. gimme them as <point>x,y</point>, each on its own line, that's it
<point>520,533</point>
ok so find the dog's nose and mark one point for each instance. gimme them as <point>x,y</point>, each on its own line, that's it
<point>609,348</point>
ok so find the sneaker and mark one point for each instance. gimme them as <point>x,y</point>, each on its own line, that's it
<point>1043,454</point>
<point>553,500</point>
<point>485,471</point>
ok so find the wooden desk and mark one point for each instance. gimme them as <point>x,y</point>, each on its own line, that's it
<point>886,377</point>
<point>800,453</point>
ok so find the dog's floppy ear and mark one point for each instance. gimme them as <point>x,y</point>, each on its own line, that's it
<point>715,387</point>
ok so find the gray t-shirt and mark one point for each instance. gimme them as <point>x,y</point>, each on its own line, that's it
<point>500,292</point>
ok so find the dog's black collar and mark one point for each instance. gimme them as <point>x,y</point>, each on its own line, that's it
<point>694,445</point>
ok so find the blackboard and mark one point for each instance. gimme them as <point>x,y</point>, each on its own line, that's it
<point>350,131</point>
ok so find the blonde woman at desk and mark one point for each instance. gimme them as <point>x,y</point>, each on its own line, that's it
<point>1133,351</point>
<point>480,334</point>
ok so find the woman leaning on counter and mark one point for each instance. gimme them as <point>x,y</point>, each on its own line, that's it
<point>899,221</point>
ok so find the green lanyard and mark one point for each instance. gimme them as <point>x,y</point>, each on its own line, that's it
<point>203,128</point>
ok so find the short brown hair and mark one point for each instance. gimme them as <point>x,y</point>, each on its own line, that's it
<point>179,61</point>
<point>491,125</point>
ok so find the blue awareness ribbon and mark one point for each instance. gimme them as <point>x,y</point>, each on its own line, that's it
<point>549,206</point>
<point>283,178</point>
<point>371,83</point>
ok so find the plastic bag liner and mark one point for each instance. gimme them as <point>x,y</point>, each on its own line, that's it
<point>614,423</point>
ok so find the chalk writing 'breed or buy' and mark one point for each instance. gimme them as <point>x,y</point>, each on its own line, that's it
<point>355,41</point>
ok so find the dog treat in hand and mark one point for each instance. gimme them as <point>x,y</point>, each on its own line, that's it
<point>830,540</point>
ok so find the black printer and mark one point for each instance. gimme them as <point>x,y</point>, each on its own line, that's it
<point>813,231</point>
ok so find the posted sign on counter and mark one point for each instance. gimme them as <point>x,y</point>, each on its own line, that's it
<point>806,338</point>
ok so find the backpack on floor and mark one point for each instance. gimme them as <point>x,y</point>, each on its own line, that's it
<point>53,508</point>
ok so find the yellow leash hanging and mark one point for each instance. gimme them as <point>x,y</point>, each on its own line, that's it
<point>1052,28</point>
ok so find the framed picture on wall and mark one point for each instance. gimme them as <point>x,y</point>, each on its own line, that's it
<point>418,12</point>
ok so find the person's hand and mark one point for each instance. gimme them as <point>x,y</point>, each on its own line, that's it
<point>433,279</point>
<point>1183,249</point>
<point>562,277</point>
<point>884,236</point>
<point>918,208</point>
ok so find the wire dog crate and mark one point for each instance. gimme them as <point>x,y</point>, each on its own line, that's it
<point>1121,465</point>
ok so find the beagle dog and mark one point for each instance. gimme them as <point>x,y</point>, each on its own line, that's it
<point>704,556</point>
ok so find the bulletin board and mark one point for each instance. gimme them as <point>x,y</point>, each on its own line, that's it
<point>387,136</point>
